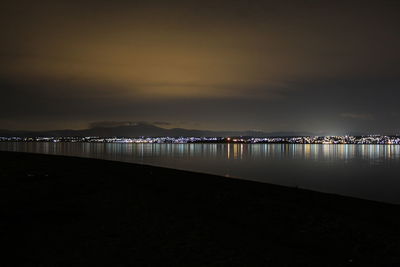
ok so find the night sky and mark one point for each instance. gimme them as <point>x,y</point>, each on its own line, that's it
<point>316,66</point>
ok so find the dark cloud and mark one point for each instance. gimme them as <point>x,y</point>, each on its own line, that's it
<point>109,124</point>
<point>161,123</point>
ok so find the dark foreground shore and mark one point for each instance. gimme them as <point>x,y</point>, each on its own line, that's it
<point>61,211</point>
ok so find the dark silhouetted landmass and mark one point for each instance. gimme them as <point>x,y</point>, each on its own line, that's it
<point>60,211</point>
<point>143,129</point>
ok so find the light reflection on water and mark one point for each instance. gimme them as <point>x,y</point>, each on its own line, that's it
<point>366,171</point>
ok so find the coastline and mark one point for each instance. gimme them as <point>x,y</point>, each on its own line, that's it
<point>58,210</point>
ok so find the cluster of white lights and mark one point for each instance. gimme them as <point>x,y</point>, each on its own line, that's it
<point>371,139</point>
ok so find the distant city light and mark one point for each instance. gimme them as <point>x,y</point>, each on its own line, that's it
<point>370,139</point>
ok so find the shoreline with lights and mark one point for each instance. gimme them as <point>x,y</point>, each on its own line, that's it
<point>369,139</point>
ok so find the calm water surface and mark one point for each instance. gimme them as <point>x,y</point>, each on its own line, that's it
<point>365,171</point>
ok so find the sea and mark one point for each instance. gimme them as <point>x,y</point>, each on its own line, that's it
<point>363,171</point>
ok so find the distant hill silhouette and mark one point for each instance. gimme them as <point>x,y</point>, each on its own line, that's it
<point>144,129</point>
